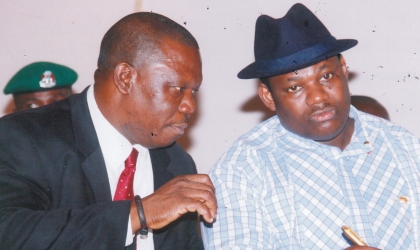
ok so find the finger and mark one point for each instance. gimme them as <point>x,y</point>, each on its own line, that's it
<point>180,183</point>
<point>205,197</point>
<point>199,207</point>
<point>200,178</point>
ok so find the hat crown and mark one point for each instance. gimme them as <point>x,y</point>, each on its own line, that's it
<point>297,30</point>
<point>297,40</point>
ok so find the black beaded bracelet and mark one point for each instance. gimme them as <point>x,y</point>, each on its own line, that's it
<point>143,225</point>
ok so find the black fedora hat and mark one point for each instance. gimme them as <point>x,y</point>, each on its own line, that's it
<point>294,42</point>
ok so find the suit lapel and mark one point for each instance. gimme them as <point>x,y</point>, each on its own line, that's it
<point>167,163</point>
<point>160,162</point>
<point>95,172</point>
<point>88,145</point>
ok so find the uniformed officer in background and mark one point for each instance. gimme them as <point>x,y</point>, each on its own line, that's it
<point>39,84</point>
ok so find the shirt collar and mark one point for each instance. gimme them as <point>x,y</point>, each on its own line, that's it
<point>115,147</point>
<point>359,143</point>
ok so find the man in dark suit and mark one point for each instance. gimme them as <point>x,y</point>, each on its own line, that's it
<point>59,164</point>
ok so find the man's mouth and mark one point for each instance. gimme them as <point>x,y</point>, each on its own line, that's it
<point>323,114</point>
<point>180,127</point>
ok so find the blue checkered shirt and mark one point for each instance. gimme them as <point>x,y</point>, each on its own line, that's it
<point>276,190</point>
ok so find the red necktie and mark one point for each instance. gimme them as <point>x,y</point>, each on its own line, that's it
<point>124,189</point>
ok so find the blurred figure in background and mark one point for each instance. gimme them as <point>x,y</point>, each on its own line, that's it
<point>369,105</point>
<point>39,84</point>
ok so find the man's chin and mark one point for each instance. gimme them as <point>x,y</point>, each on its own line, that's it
<point>163,143</point>
<point>323,137</point>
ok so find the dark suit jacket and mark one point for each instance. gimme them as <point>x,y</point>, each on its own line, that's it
<point>54,189</point>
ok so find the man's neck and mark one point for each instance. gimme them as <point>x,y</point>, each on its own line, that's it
<point>343,139</point>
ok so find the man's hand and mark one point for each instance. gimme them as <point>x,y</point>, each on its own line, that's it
<point>183,194</point>
<point>361,248</point>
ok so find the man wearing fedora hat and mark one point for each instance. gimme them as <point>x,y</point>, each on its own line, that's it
<point>301,179</point>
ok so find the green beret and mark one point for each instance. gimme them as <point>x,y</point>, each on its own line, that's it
<point>40,76</point>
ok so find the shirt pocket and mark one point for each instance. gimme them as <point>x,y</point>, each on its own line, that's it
<point>388,204</point>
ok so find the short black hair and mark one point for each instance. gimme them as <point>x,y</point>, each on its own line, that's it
<point>266,82</point>
<point>137,36</point>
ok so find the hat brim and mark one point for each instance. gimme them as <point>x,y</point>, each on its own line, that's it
<point>268,68</point>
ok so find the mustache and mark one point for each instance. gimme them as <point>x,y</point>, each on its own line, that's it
<point>321,107</point>
<point>185,121</point>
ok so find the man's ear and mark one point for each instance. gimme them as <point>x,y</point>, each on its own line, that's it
<point>266,96</point>
<point>124,77</point>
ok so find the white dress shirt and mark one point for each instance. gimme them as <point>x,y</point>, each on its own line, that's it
<point>115,149</point>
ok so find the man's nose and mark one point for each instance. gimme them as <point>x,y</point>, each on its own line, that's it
<point>187,105</point>
<point>317,93</point>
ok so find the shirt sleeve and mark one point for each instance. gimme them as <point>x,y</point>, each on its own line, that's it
<point>241,221</point>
